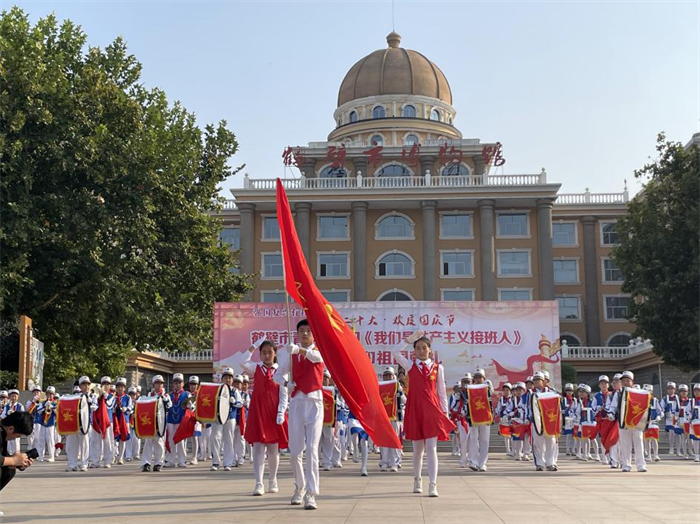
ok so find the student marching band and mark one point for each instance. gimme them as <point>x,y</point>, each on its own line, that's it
<point>295,407</point>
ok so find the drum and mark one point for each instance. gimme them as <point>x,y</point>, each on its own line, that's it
<point>686,428</point>
<point>577,431</point>
<point>634,408</point>
<point>149,417</point>
<point>73,415</point>
<point>589,430</point>
<point>652,432</point>
<point>517,430</point>
<point>546,413</point>
<point>568,423</point>
<point>695,430</point>
<point>213,403</point>
<point>504,430</point>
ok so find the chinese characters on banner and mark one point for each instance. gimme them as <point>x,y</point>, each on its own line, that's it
<point>510,340</point>
<point>494,153</point>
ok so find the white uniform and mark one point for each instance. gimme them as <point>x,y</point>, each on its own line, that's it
<point>154,448</point>
<point>46,440</point>
<point>221,440</point>
<point>544,448</point>
<point>78,446</point>
<point>629,439</point>
<point>102,449</point>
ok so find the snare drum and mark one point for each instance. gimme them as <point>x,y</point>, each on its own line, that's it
<point>73,415</point>
<point>652,433</point>
<point>213,403</point>
<point>695,430</point>
<point>569,423</point>
<point>589,430</point>
<point>504,430</point>
<point>149,417</point>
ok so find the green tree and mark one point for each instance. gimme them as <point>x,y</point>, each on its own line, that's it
<point>659,253</point>
<point>107,235</point>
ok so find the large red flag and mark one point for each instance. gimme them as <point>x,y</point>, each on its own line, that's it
<point>342,353</point>
<point>186,428</point>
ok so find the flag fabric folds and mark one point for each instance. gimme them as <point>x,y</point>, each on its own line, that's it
<point>100,418</point>
<point>186,427</point>
<point>342,353</point>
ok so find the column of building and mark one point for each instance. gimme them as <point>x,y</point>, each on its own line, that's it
<point>486,249</point>
<point>544,244</point>
<point>591,308</point>
<point>430,255</point>
<point>359,250</point>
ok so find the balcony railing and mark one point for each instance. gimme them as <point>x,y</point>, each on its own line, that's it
<point>203,355</point>
<point>433,142</point>
<point>230,205</point>
<point>572,199</point>
<point>605,352</point>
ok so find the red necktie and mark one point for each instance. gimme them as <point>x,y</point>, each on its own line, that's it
<point>424,368</point>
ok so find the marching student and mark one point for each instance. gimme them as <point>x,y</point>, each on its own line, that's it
<point>683,423</point>
<point>584,416</point>
<point>179,400</point>
<point>459,412</point>
<point>199,444</point>
<point>599,401</point>
<point>102,449</point>
<point>516,410</point>
<point>31,407</point>
<point>329,428</point>
<point>651,435</point>
<point>479,435</point>
<point>426,418</point>
<point>4,399</point>
<point>221,442</point>
<point>342,414</point>
<point>452,404</point>
<point>133,448</point>
<point>543,447</point>
<point>694,423</point>
<point>123,408</point>
<point>389,457</point>
<point>357,431</point>
<point>503,418</point>
<point>12,405</point>
<point>629,438</point>
<point>239,445</point>
<point>568,406</point>
<point>266,424</point>
<point>154,448</point>
<point>305,412</point>
<point>669,405</point>
<point>78,445</point>
<point>46,441</point>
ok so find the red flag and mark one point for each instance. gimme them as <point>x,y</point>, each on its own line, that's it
<point>609,433</point>
<point>186,427</point>
<point>342,353</point>
<point>100,418</point>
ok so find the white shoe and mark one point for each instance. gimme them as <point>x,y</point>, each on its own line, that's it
<point>432,490</point>
<point>107,466</point>
<point>298,496</point>
<point>259,490</point>
<point>597,458</point>
<point>363,473</point>
<point>169,465</point>
<point>272,487</point>
<point>326,468</point>
<point>398,465</point>
<point>194,462</point>
<point>393,469</point>
<point>339,465</point>
<point>310,501</point>
<point>182,465</point>
<point>482,468</point>
<point>697,458</point>
<point>83,468</point>
<point>227,468</point>
<point>54,460</point>
<point>382,467</point>
<point>657,459</point>
<point>417,486</point>
<point>214,467</point>
<point>641,470</point>
<point>120,462</point>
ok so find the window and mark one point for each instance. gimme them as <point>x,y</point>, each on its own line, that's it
<point>394,296</point>
<point>409,111</point>
<point>455,226</point>
<point>453,169</point>
<point>514,294</point>
<point>353,116</point>
<point>394,226</point>
<point>393,170</point>
<point>456,264</point>
<point>564,234</point>
<point>273,296</point>
<point>234,270</point>
<point>513,263</point>
<point>565,271</point>
<point>377,140</point>
<point>458,295</point>
<point>379,112</point>
<point>337,296</point>
<point>569,308</point>
<point>272,265</point>
<point>333,172</point>
<point>611,273</point>
<point>435,115</point>
<point>333,265</point>
<point>616,308</point>
<point>231,236</point>
<point>411,140</point>
<point>512,225</point>
<point>570,340</point>
<point>332,227</point>
<point>621,340</point>
<point>608,233</point>
<point>395,265</point>
<point>271,228</point>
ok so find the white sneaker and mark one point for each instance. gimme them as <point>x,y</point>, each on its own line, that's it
<point>120,462</point>
<point>657,459</point>
<point>107,466</point>
<point>214,467</point>
<point>259,490</point>
<point>298,496</point>
<point>182,465</point>
<point>326,468</point>
<point>382,467</point>
<point>432,490</point>
<point>194,462</point>
<point>417,485</point>
<point>169,465</point>
<point>272,487</point>
<point>338,465</point>
<point>310,501</point>
<point>363,473</point>
<point>482,468</point>
<point>393,469</point>
<point>227,468</point>
<point>83,468</point>
<point>697,458</point>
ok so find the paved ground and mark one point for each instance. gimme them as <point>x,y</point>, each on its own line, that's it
<point>508,492</point>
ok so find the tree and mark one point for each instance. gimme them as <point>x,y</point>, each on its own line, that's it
<point>659,253</point>
<point>107,235</point>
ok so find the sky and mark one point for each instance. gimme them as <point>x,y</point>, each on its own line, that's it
<point>579,88</point>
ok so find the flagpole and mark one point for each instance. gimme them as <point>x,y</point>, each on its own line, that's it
<point>290,382</point>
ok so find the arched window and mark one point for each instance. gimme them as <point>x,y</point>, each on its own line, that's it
<point>379,112</point>
<point>353,116</point>
<point>411,139</point>
<point>409,111</point>
<point>333,172</point>
<point>621,340</point>
<point>435,115</point>
<point>455,170</point>
<point>392,170</point>
<point>571,340</point>
<point>394,226</point>
<point>395,295</point>
<point>377,140</point>
<point>395,265</point>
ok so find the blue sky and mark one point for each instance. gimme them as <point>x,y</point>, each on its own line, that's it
<point>580,88</point>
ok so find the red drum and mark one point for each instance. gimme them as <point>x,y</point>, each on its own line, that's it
<point>149,417</point>
<point>73,415</point>
<point>504,430</point>
<point>652,433</point>
<point>213,403</point>
<point>589,430</point>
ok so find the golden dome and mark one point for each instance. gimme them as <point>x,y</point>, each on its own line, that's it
<point>394,71</point>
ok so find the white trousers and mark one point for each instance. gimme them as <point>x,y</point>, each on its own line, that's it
<point>77,450</point>
<point>177,453</point>
<point>327,445</point>
<point>32,439</point>
<point>429,447</point>
<point>133,447</point>
<point>631,438</point>
<point>479,437</point>
<point>153,451</point>
<point>273,461</point>
<point>221,443</point>
<point>204,444</point>
<point>463,445</point>
<point>239,446</point>
<point>544,449</point>
<point>305,428</point>
<point>101,449</point>
<point>46,442</point>
<point>195,447</point>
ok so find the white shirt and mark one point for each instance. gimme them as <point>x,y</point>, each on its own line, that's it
<point>441,389</point>
<point>250,368</point>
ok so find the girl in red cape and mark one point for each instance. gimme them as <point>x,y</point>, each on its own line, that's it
<point>266,420</point>
<point>426,418</point>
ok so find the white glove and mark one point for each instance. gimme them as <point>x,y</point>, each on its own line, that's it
<point>259,342</point>
<point>611,417</point>
<point>415,336</point>
<point>294,348</point>
<point>280,418</point>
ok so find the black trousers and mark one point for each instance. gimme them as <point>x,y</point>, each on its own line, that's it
<point>6,476</point>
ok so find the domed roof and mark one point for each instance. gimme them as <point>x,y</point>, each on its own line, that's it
<point>394,71</point>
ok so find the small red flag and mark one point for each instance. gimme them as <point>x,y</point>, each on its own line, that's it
<point>186,427</point>
<point>100,418</point>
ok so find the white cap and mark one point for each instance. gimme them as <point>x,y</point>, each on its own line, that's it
<point>520,385</point>
<point>617,376</point>
<point>585,387</point>
<point>603,378</point>
<point>238,378</point>
<point>529,379</point>
<point>695,386</point>
<point>178,376</point>
<point>457,384</point>
<point>112,387</point>
<point>3,393</point>
<point>76,389</point>
<point>670,384</point>
<point>57,395</point>
<point>326,373</point>
<point>507,385</point>
<point>467,376</point>
<point>569,387</point>
<point>683,387</point>
<point>545,373</point>
<point>16,392</point>
<point>36,387</point>
<point>132,389</point>
<point>84,380</point>
<point>648,387</point>
<point>106,379</point>
<point>389,369</point>
<point>51,389</point>
<point>194,379</point>
<point>138,389</point>
<point>480,372</point>
<point>627,374</point>
<point>246,378</point>
<point>538,374</point>
<point>158,378</point>
<point>122,381</point>
<point>227,371</point>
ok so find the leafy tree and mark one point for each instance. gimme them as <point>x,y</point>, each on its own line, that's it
<point>659,253</point>
<point>108,239</point>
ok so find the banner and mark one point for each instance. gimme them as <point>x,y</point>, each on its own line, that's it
<point>634,408</point>
<point>480,413</point>
<point>328,406</point>
<point>510,340</point>
<point>388,390</point>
